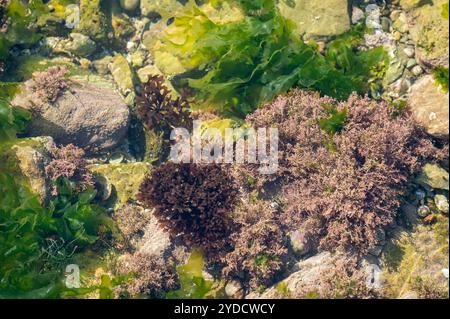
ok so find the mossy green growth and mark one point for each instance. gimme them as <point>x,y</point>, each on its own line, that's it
<point>445,11</point>
<point>93,21</point>
<point>441,76</point>
<point>236,66</point>
<point>421,255</point>
<point>193,284</point>
<point>125,179</point>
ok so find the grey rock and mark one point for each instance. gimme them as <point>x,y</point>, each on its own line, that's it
<point>156,241</point>
<point>357,15</point>
<point>91,117</point>
<point>374,276</point>
<point>373,19</point>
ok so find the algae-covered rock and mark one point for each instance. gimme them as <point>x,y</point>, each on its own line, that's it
<point>77,44</point>
<point>429,29</point>
<point>163,8</point>
<point>414,262</point>
<point>26,160</point>
<point>430,107</point>
<point>124,178</point>
<point>317,18</point>
<point>434,176</point>
<point>123,75</point>
<point>93,22</point>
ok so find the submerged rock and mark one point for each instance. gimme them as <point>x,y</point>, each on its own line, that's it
<point>163,8</point>
<point>317,18</point>
<point>89,116</point>
<point>123,76</point>
<point>414,260</point>
<point>123,179</point>
<point>429,105</point>
<point>429,30</point>
<point>434,176</point>
<point>129,5</point>
<point>93,22</point>
<point>31,156</point>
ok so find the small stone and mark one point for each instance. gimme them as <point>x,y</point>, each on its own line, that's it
<point>442,203</point>
<point>401,24</point>
<point>357,15</point>
<point>373,13</point>
<point>385,24</point>
<point>299,244</point>
<point>423,211</point>
<point>129,5</point>
<point>395,14</point>
<point>374,274</point>
<point>417,70</point>
<point>85,64</point>
<point>445,272</point>
<point>397,35</point>
<point>410,52</point>
<point>116,158</point>
<point>234,290</point>
<point>411,63</point>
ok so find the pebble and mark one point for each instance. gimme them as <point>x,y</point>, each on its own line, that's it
<point>357,15</point>
<point>410,52</point>
<point>423,211</point>
<point>441,203</point>
<point>411,63</point>
<point>417,70</point>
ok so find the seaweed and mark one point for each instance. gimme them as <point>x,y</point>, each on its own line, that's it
<point>441,76</point>
<point>244,63</point>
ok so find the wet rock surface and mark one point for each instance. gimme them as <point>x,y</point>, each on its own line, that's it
<point>89,116</point>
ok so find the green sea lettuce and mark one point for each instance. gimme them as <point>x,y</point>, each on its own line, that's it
<point>234,67</point>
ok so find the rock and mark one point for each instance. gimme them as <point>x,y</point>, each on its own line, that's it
<point>409,51</point>
<point>434,176</point>
<point>307,277</point>
<point>401,23</point>
<point>385,24</point>
<point>155,241</point>
<point>123,75</point>
<point>429,30</point>
<point>102,65</point>
<point>373,19</point>
<point>417,70</point>
<point>317,18</point>
<point>374,274</point>
<point>89,116</point>
<point>124,179</point>
<point>93,22</point>
<point>442,203</point>
<point>234,290</point>
<point>163,8</point>
<point>77,44</point>
<point>299,243</point>
<point>420,254</point>
<point>138,58</point>
<point>357,15</point>
<point>129,5</point>
<point>429,105</point>
<point>423,211</point>
<point>31,156</point>
<point>122,28</point>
